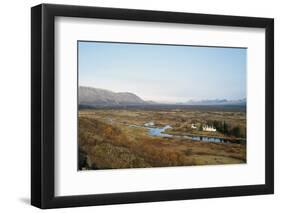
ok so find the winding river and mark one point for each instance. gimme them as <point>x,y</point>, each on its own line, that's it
<point>160,132</point>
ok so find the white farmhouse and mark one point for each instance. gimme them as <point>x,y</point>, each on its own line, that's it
<point>151,123</point>
<point>209,128</point>
<point>193,126</point>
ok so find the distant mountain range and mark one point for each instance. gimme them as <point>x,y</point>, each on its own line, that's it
<point>102,97</point>
<point>89,96</point>
<point>217,102</point>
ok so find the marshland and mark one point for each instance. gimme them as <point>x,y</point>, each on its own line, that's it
<point>137,138</point>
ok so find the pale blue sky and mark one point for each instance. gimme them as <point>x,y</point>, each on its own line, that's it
<point>166,73</point>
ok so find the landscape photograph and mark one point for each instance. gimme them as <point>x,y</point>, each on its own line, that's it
<point>160,105</point>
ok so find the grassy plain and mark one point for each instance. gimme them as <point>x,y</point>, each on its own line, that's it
<point>107,139</point>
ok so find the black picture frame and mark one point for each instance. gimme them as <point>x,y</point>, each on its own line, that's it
<point>43,101</point>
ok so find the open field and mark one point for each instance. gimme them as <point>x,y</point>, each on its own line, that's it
<point>118,138</point>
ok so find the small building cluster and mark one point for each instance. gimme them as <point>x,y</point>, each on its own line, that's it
<point>205,128</point>
<point>209,128</point>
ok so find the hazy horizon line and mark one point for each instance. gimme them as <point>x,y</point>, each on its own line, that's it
<point>166,101</point>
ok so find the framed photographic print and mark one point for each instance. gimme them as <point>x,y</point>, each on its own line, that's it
<point>139,106</point>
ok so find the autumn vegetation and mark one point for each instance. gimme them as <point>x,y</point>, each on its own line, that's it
<point>107,140</point>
